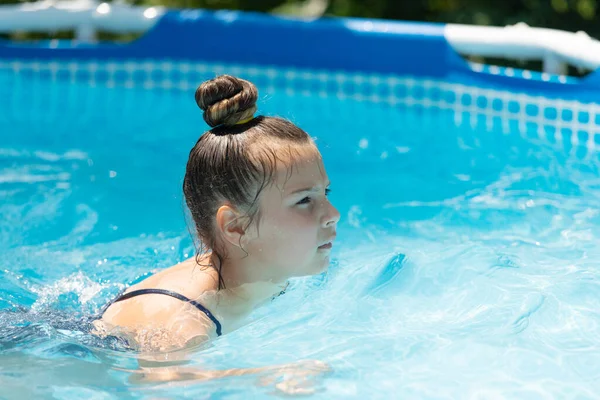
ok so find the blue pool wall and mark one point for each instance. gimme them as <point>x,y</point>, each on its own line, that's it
<point>332,44</point>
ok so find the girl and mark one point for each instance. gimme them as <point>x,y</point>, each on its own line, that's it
<point>257,190</point>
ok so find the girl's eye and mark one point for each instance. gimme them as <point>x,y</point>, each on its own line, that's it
<point>305,200</point>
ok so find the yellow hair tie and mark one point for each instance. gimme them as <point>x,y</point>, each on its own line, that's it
<point>245,120</point>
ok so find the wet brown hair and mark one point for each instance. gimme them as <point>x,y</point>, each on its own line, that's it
<point>234,161</point>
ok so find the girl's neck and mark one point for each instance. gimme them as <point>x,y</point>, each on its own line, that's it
<point>242,293</point>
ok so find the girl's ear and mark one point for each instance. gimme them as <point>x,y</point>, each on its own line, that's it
<point>231,224</point>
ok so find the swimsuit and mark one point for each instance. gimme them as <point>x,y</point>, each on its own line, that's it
<point>172,294</point>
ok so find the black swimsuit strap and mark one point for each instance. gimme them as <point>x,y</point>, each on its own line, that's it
<point>177,296</point>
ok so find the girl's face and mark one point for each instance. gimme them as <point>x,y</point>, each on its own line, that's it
<point>297,224</point>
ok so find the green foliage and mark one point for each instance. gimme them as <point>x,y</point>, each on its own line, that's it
<point>570,15</point>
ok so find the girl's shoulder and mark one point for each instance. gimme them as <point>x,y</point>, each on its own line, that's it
<point>148,311</point>
<point>190,278</point>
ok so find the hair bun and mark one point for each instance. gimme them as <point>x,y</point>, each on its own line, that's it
<point>226,100</point>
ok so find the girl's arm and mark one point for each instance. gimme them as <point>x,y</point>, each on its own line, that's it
<point>165,351</point>
<point>293,378</point>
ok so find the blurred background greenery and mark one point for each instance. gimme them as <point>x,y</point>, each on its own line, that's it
<point>569,15</point>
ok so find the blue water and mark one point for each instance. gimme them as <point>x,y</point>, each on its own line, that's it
<point>466,264</point>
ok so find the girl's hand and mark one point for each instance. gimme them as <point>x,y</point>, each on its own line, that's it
<point>299,378</point>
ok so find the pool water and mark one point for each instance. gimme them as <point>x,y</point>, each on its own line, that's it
<point>466,264</point>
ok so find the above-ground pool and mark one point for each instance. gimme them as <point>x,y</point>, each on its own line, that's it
<point>467,259</point>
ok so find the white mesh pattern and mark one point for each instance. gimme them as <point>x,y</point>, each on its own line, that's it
<point>566,120</point>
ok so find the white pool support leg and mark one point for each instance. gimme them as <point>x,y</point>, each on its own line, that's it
<point>85,33</point>
<point>553,65</point>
